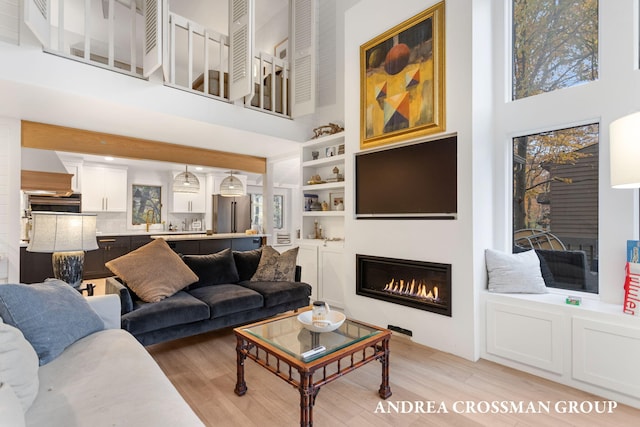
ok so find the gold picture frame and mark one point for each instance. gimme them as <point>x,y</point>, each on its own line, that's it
<point>402,81</point>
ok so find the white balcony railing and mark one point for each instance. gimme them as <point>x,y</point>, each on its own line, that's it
<point>110,34</point>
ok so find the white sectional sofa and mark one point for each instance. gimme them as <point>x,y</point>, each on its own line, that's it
<point>105,379</point>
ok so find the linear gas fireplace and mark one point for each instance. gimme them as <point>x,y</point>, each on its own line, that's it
<point>417,284</point>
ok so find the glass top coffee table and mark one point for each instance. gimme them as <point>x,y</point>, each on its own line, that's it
<point>281,345</point>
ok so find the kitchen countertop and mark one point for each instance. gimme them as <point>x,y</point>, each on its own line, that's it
<point>173,238</point>
<point>156,233</point>
<point>145,233</point>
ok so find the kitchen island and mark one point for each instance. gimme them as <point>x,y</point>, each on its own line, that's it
<point>35,267</point>
<point>200,244</point>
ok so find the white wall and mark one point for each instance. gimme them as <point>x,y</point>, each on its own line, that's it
<point>9,200</point>
<point>440,241</point>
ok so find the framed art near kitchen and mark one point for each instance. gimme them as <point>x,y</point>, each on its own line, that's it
<point>146,204</point>
<point>402,81</point>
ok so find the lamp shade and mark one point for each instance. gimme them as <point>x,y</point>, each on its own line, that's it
<point>231,187</point>
<point>62,232</point>
<point>624,143</point>
<point>186,182</point>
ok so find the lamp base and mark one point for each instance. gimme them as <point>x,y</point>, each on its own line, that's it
<point>68,267</point>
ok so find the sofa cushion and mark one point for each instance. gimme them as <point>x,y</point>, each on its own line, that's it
<point>108,379</point>
<point>51,315</point>
<point>11,412</point>
<point>228,299</point>
<point>18,367</point>
<point>212,269</point>
<point>247,263</point>
<point>177,309</point>
<point>514,273</point>
<point>275,266</point>
<point>276,293</point>
<point>153,271</point>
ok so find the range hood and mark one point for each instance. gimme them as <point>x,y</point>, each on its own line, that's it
<point>44,174</point>
<point>46,183</point>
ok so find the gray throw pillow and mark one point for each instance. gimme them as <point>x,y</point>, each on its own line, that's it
<point>514,273</point>
<point>275,266</point>
<point>51,315</point>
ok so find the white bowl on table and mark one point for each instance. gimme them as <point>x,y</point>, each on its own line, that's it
<point>334,320</point>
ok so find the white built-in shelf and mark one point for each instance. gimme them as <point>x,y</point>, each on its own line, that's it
<point>325,186</point>
<point>325,161</point>
<point>323,213</point>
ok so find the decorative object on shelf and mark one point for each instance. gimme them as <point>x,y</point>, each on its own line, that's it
<point>66,236</point>
<point>340,149</point>
<point>338,176</point>
<point>316,206</point>
<point>146,204</point>
<point>330,151</point>
<point>314,155</point>
<point>336,200</point>
<point>317,230</point>
<point>186,182</point>
<point>315,179</point>
<point>402,74</point>
<point>329,129</point>
<point>309,199</point>
<point>231,186</point>
<point>325,205</point>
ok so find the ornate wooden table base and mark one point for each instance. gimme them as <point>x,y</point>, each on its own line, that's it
<point>300,374</point>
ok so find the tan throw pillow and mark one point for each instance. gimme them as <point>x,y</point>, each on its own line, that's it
<point>153,271</point>
<point>275,266</point>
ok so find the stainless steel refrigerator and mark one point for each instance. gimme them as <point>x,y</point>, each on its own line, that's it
<point>231,214</point>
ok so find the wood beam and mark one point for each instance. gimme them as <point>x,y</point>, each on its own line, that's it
<point>60,138</point>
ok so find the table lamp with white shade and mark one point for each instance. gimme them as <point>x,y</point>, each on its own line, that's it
<point>66,236</point>
<point>624,143</point>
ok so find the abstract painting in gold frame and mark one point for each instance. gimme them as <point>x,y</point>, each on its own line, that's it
<point>402,81</point>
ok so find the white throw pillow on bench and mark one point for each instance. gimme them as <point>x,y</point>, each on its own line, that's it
<point>514,273</point>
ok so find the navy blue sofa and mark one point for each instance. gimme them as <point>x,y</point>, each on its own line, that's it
<point>223,296</point>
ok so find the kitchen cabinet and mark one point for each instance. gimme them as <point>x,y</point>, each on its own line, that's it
<point>34,266</point>
<point>104,189</point>
<point>109,247</point>
<point>190,202</point>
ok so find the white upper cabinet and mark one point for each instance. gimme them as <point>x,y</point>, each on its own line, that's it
<point>104,189</point>
<point>189,202</point>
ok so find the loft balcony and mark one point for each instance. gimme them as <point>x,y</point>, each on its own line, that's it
<point>147,42</point>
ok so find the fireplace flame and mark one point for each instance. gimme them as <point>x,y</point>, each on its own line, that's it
<point>413,289</point>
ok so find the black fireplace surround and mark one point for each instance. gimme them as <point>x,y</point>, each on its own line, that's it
<point>418,284</point>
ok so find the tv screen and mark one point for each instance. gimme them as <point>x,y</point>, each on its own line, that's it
<point>412,181</point>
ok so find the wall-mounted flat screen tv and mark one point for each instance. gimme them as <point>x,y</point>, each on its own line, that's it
<point>411,181</point>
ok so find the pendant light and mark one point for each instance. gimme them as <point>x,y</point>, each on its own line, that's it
<point>231,186</point>
<point>186,182</point>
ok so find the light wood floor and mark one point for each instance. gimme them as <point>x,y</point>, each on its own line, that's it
<point>203,369</point>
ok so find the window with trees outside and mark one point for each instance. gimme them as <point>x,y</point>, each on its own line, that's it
<point>555,203</point>
<point>555,45</point>
<point>257,211</point>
